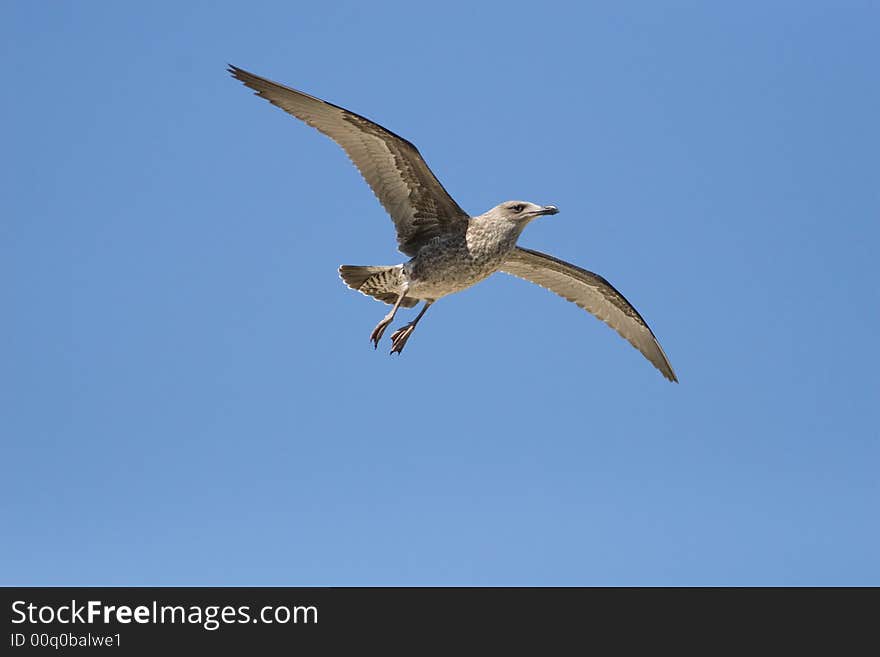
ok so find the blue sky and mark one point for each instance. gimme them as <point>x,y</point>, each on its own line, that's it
<point>188,394</point>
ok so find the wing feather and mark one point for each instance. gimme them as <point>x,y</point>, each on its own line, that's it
<point>592,293</point>
<point>393,168</point>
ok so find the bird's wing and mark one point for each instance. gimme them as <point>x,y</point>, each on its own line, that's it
<point>592,293</point>
<point>418,204</point>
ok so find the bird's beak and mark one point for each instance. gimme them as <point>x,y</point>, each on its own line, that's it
<point>547,209</point>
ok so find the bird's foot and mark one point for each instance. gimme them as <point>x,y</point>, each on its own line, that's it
<point>400,336</point>
<point>379,331</point>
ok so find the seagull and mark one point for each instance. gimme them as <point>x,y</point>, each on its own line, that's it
<point>449,250</point>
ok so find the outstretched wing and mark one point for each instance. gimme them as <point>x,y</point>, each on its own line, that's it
<point>393,168</point>
<point>592,293</point>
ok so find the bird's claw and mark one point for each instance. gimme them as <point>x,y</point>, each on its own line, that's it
<point>399,338</point>
<point>378,332</point>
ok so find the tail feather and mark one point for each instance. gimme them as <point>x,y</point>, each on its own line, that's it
<point>355,276</point>
<point>378,282</point>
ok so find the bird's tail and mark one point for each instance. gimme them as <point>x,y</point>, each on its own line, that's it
<point>380,282</point>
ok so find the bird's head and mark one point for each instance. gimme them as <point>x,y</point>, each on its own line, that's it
<point>520,213</point>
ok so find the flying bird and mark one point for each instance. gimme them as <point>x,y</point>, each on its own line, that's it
<point>449,250</point>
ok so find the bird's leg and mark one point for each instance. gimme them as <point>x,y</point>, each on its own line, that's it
<point>376,335</point>
<point>401,335</point>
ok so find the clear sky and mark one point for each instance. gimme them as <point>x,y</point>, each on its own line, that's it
<point>188,394</point>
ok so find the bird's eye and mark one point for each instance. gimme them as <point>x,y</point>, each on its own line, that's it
<point>519,207</point>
